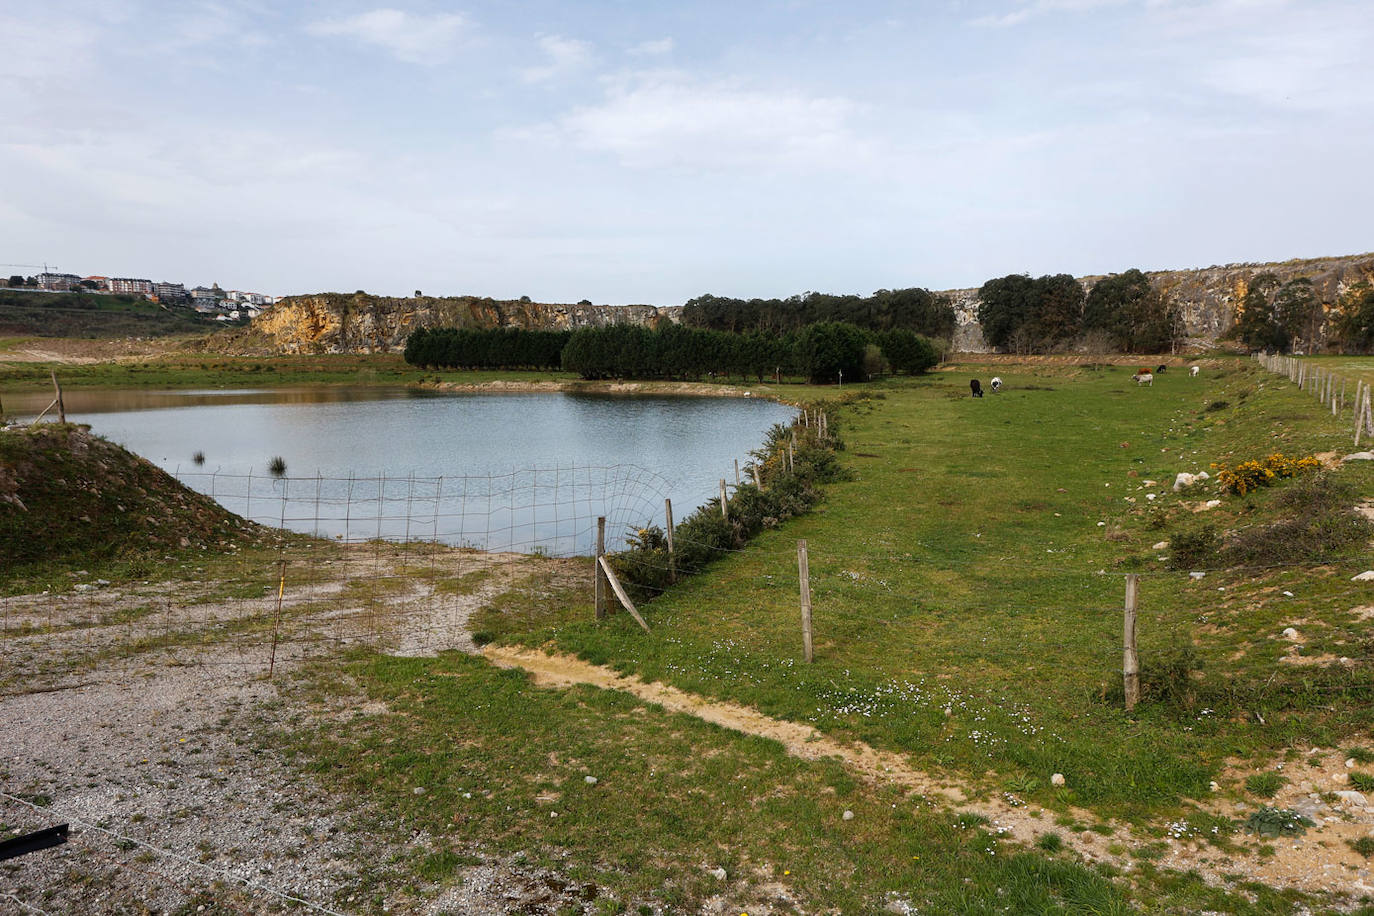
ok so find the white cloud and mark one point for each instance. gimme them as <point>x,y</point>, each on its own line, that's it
<point>564,56</point>
<point>653,48</point>
<point>651,120</point>
<point>413,38</point>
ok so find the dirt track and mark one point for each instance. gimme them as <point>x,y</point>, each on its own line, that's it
<point>1320,861</point>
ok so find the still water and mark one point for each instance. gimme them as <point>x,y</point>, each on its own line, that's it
<point>519,472</point>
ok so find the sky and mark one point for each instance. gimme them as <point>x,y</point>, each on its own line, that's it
<point>643,151</point>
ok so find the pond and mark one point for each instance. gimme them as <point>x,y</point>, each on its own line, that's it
<point>523,472</point>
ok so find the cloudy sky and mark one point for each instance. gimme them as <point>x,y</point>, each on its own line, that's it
<point>646,151</point>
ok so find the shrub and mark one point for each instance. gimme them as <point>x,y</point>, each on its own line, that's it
<point>1253,474</point>
<point>1364,846</point>
<point>704,535</point>
<point>1274,822</point>
<point>1321,525</point>
<point>1192,549</point>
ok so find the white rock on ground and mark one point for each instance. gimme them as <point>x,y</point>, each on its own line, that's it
<point>1057,779</point>
<point>1352,798</point>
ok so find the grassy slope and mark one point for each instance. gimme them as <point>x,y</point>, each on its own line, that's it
<point>964,569</point>
<point>90,315</point>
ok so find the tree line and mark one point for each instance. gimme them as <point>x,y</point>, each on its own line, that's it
<point>1121,312</point>
<point>914,309</point>
<point>486,348</point>
<point>822,352</point>
<point>1276,315</point>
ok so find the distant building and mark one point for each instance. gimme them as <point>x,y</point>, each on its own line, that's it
<point>58,282</point>
<point>131,286</point>
<point>171,292</point>
<point>96,282</point>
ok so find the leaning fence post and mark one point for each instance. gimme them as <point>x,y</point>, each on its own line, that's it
<point>61,407</point>
<point>736,472</point>
<point>724,503</point>
<point>804,575</point>
<point>1130,662</point>
<point>600,575</point>
<point>672,560</point>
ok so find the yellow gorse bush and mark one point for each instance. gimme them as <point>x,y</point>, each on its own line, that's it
<point>1256,473</point>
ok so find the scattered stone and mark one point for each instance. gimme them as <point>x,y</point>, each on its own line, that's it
<point>1366,576</point>
<point>1352,798</point>
<point>1350,763</point>
<point>1159,545</point>
<point>1214,787</point>
<point>1184,479</point>
<point>717,873</point>
<point>1288,594</point>
<point>1196,575</point>
<point>1359,456</point>
<point>418,790</point>
<point>848,815</point>
<point>1057,779</point>
<point>1290,633</point>
<point>589,780</point>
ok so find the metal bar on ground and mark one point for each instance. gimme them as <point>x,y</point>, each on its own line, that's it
<point>33,842</point>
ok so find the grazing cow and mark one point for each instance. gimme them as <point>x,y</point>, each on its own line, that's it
<point>1160,370</point>
<point>996,384</point>
<point>1194,370</point>
<point>975,388</point>
<point>1145,377</point>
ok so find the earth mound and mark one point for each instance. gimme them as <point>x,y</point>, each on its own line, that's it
<point>65,492</point>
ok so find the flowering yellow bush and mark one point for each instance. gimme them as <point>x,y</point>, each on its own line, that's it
<point>1253,474</point>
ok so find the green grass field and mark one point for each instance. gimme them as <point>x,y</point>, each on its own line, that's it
<point>968,587</point>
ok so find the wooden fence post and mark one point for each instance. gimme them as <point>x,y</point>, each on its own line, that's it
<point>804,575</point>
<point>1130,662</point>
<point>672,560</point>
<point>724,503</point>
<point>791,460</point>
<point>61,407</point>
<point>600,575</point>
<point>605,566</point>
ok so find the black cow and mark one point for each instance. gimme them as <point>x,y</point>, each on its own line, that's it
<point>975,388</point>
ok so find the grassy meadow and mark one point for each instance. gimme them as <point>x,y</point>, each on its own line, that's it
<point>968,588</point>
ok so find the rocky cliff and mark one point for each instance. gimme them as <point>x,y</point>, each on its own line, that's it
<point>360,323</point>
<point>1208,297</point>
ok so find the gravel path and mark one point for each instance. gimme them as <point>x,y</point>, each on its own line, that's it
<point>150,730</point>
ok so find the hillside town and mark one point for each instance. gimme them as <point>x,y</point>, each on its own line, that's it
<point>222,304</point>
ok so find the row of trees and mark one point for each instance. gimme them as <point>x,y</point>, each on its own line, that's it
<point>823,352</point>
<point>1027,315</point>
<point>916,310</point>
<point>496,348</point>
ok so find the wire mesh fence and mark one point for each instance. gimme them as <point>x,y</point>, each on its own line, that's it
<point>550,511</point>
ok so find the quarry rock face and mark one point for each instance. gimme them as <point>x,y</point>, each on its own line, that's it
<point>360,323</point>
<point>1208,299</point>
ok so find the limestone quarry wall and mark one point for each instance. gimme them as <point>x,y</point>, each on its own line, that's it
<point>360,323</point>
